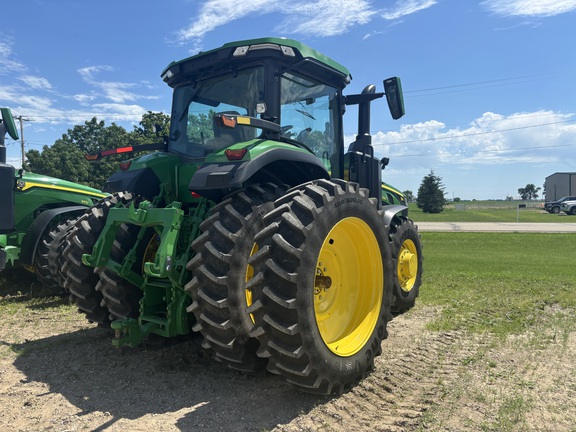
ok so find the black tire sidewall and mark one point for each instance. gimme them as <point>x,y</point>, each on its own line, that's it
<point>350,369</point>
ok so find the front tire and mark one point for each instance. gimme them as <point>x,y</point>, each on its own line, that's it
<point>43,267</point>
<point>322,286</point>
<point>220,268</point>
<point>407,252</point>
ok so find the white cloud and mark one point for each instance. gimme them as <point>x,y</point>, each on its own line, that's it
<point>488,159</point>
<point>530,8</point>
<point>406,7</point>
<point>317,18</point>
<point>491,139</point>
<point>7,64</point>
<point>117,92</point>
<point>35,82</point>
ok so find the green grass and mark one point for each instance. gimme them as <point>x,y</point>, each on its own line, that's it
<point>503,283</point>
<point>490,211</point>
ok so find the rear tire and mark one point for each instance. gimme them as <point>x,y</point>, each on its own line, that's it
<point>81,280</point>
<point>322,286</point>
<point>407,252</point>
<point>220,269</point>
<point>43,267</point>
<point>120,297</point>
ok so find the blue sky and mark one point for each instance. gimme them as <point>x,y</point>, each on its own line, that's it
<point>489,84</point>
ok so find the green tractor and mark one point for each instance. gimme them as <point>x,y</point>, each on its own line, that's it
<point>251,223</point>
<point>36,213</point>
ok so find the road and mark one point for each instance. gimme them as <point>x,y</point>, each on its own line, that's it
<point>548,227</point>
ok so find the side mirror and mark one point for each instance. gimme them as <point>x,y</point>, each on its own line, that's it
<point>394,97</point>
<point>8,125</point>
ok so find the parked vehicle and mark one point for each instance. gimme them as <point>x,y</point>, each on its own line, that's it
<point>556,206</point>
<point>569,207</point>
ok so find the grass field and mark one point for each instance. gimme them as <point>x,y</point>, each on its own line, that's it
<point>490,211</point>
<point>503,283</point>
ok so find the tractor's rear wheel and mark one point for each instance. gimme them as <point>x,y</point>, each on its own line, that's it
<point>407,251</point>
<point>220,270</point>
<point>80,279</point>
<point>322,286</point>
<point>121,297</point>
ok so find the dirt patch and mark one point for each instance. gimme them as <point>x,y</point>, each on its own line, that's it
<point>60,373</point>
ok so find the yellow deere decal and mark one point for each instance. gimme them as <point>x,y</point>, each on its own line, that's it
<point>29,185</point>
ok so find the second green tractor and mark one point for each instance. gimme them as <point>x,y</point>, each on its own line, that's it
<point>252,224</point>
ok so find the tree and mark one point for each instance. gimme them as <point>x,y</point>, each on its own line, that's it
<point>409,196</point>
<point>529,192</point>
<point>431,194</point>
<point>65,158</point>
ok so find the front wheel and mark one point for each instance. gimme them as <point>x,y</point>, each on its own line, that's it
<point>407,252</point>
<point>322,286</point>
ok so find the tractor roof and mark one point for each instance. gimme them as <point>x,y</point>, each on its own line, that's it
<point>288,50</point>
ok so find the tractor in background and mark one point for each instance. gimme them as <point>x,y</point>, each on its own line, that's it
<point>36,213</point>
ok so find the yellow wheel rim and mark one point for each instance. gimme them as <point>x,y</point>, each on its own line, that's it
<point>348,286</point>
<point>250,275</point>
<point>151,250</point>
<point>407,267</point>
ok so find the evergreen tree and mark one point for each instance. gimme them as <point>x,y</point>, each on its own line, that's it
<point>431,194</point>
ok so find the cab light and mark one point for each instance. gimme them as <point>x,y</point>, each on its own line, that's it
<point>235,154</point>
<point>229,121</point>
<point>240,51</point>
<point>125,165</point>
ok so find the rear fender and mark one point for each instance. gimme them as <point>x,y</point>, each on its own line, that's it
<point>392,212</point>
<point>37,228</point>
<point>214,180</point>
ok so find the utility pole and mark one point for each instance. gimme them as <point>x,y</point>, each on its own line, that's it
<point>22,120</point>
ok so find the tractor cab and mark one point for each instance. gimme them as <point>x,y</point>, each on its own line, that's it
<point>251,92</point>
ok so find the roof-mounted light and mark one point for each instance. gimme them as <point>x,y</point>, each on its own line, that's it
<point>241,51</point>
<point>264,46</point>
<point>288,51</point>
<point>167,75</point>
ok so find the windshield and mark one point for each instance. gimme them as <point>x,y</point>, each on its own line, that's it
<point>309,114</point>
<point>194,130</point>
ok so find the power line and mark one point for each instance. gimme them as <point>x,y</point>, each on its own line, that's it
<point>490,151</point>
<point>475,133</point>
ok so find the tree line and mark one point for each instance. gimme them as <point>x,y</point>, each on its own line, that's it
<point>65,158</point>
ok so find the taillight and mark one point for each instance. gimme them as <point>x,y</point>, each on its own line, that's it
<point>235,154</point>
<point>120,150</point>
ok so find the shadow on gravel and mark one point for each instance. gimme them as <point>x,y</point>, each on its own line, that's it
<point>91,374</point>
